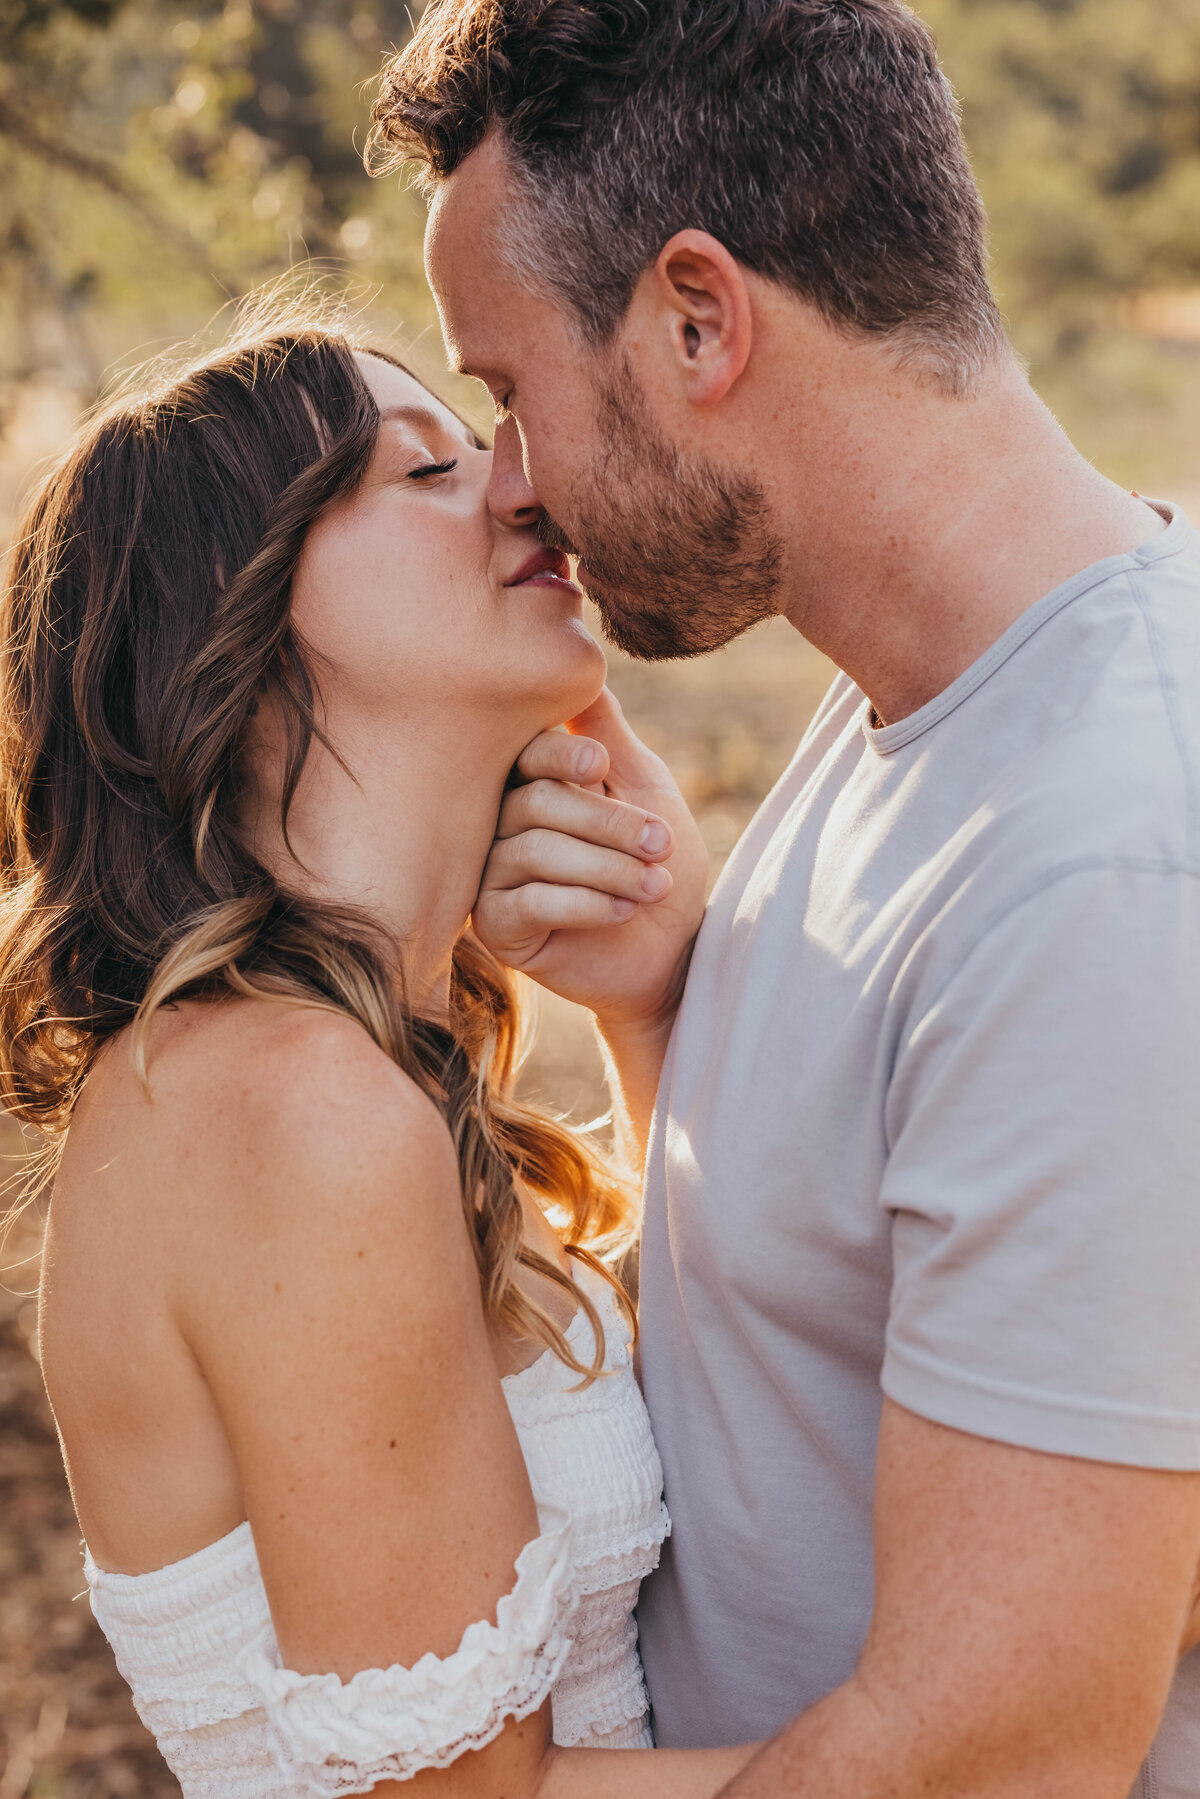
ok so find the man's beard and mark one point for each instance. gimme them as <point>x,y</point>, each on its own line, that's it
<point>678,557</point>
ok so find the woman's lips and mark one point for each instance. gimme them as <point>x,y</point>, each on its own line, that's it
<point>545,568</point>
<point>548,580</point>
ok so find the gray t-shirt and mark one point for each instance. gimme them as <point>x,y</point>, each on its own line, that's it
<point>930,1126</point>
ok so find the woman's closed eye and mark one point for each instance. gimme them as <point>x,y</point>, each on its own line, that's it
<point>432,468</point>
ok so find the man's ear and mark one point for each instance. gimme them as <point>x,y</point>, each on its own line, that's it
<point>701,305</point>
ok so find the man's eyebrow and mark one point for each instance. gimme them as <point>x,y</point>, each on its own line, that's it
<point>424,417</point>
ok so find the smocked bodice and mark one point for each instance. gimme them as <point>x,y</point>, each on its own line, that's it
<point>196,1643</point>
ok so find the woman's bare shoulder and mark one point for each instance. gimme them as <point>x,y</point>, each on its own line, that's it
<point>252,1051</point>
<point>255,1104</point>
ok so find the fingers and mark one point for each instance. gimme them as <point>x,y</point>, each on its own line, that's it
<point>534,857</point>
<point>515,922</point>
<point>603,722</point>
<point>568,854</point>
<point>597,746</point>
<point>554,756</point>
<point>594,818</point>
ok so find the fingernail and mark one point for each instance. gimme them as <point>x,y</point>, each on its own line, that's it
<point>654,838</point>
<point>655,882</point>
<point>624,908</point>
<point>584,760</point>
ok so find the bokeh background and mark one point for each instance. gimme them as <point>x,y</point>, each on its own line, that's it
<point>160,158</point>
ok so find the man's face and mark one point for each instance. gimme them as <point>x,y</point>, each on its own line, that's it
<point>678,553</point>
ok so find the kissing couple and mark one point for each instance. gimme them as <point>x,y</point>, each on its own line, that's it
<point>331,1320</point>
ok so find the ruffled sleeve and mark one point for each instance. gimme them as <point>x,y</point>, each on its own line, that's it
<point>330,1737</point>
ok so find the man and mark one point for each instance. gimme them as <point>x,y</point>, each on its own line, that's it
<point>922,1258</point>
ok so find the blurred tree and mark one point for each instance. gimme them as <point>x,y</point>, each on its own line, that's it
<point>1083,118</point>
<point>155,158</point>
<point>158,155</point>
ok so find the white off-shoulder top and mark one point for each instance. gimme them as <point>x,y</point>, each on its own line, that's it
<point>196,1643</point>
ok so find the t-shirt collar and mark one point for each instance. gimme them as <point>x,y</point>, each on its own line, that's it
<point>884,739</point>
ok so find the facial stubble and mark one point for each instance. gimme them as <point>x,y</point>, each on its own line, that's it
<point>680,557</point>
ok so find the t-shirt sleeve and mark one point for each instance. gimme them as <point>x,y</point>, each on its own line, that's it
<point>1043,1178</point>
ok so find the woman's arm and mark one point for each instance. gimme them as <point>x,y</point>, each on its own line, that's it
<point>342,1335</point>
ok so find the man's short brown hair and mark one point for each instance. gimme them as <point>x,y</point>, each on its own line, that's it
<point>818,140</point>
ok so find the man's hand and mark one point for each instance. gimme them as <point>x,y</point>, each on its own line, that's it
<point>595,884</point>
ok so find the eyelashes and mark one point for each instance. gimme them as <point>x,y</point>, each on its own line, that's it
<point>433,468</point>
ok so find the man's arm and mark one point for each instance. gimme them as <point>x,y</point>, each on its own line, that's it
<point>595,889</point>
<point>1029,1612</point>
<point>1030,1606</point>
<point>633,1062</point>
<point>1043,1138</point>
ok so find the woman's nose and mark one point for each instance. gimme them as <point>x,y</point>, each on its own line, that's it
<point>511,498</point>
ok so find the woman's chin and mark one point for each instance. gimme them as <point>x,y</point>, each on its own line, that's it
<point>557,687</point>
<point>589,677</point>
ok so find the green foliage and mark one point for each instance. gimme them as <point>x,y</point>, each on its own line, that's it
<point>157,156</point>
<point>21,21</point>
<point>1083,118</point>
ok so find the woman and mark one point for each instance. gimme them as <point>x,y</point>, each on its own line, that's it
<point>324,1370</point>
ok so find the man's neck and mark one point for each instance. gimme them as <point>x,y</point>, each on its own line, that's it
<point>944,521</point>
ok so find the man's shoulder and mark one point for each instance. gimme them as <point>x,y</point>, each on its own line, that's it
<point>1107,764</point>
<point>1083,743</point>
<point>1076,741</point>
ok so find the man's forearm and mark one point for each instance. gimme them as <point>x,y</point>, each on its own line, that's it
<point>633,1058</point>
<point>851,1747</point>
<point>634,1050</point>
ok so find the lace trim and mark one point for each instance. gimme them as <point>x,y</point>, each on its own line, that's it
<point>391,1723</point>
<point>578,1715</point>
<point>636,1556</point>
<point>166,1712</point>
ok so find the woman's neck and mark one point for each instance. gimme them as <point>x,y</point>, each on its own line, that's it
<point>401,833</point>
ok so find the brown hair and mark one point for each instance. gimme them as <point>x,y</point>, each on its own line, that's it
<point>145,612</point>
<point>817,139</point>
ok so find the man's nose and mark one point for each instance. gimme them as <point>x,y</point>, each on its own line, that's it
<point>511,498</point>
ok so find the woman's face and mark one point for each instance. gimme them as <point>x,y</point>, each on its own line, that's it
<point>415,592</point>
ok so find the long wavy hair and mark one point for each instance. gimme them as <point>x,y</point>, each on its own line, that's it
<point>145,614</point>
